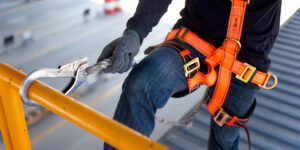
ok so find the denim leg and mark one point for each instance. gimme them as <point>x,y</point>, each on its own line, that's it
<point>152,82</point>
<point>149,86</point>
<point>238,102</point>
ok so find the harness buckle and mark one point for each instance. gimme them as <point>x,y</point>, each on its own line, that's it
<point>242,76</point>
<point>187,66</point>
<point>267,80</point>
<point>182,36</point>
<point>221,117</point>
<point>236,41</point>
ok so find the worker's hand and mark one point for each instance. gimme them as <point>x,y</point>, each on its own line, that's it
<point>121,51</point>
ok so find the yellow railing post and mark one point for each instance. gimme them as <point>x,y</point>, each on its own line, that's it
<point>12,119</point>
<point>4,129</point>
<point>103,127</point>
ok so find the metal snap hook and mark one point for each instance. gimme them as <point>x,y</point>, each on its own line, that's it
<point>75,70</point>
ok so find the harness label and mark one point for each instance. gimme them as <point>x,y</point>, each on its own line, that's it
<point>235,24</point>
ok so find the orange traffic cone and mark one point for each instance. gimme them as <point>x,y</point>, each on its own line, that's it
<point>109,7</point>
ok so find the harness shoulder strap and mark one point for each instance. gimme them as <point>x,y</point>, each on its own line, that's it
<point>230,48</point>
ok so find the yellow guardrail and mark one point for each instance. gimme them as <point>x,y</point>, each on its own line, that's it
<point>13,125</point>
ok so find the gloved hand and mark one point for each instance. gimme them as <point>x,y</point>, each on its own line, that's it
<point>121,51</point>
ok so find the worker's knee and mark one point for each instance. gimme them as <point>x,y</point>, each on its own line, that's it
<point>162,65</point>
<point>157,75</point>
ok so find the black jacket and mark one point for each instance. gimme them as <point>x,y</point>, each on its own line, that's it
<point>209,20</point>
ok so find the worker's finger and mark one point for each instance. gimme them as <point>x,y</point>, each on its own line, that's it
<point>108,50</point>
<point>125,66</point>
<point>117,63</point>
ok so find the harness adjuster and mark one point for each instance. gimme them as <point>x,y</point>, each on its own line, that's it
<point>236,41</point>
<point>221,117</point>
<point>188,69</point>
<point>242,76</point>
<point>267,80</point>
<point>182,36</point>
<point>248,1</point>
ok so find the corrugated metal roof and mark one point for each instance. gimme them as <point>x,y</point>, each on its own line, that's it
<point>275,123</point>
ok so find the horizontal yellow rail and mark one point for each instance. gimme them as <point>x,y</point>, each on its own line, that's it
<point>103,127</point>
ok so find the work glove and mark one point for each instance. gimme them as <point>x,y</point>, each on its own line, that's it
<point>121,51</point>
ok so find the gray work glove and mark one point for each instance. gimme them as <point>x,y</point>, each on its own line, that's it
<point>121,51</point>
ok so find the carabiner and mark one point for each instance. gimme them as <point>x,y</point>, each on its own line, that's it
<point>75,70</point>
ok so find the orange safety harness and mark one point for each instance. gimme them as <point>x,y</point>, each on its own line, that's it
<point>225,58</point>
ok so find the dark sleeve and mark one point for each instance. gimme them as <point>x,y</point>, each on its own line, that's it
<point>261,27</point>
<point>147,15</point>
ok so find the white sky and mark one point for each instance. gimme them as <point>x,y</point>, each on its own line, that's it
<point>289,7</point>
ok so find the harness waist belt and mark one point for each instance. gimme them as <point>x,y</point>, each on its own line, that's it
<point>243,71</point>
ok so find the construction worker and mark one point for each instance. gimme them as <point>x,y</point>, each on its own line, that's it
<point>160,75</point>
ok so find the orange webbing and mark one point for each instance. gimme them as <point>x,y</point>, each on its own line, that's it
<point>185,52</point>
<point>210,78</point>
<point>259,78</point>
<point>236,20</point>
<point>209,50</point>
<point>230,48</point>
<point>192,39</point>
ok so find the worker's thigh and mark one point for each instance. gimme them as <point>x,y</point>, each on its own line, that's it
<point>156,78</point>
<point>148,87</point>
<point>159,75</point>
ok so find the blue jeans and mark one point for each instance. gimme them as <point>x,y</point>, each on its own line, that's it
<point>156,78</point>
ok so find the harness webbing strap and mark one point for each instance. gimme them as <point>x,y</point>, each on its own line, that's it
<point>229,48</point>
<point>186,56</point>
<point>224,57</point>
<point>192,39</point>
<point>240,69</point>
<point>236,20</point>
